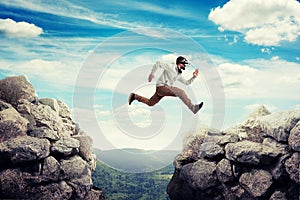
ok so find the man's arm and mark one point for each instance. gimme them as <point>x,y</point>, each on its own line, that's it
<point>188,82</point>
<point>154,69</point>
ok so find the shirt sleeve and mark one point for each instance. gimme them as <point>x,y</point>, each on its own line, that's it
<point>186,82</point>
<point>159,64</point>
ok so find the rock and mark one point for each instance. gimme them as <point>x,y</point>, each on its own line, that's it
<point>278,125</point>
<point>86,147</point>
<point>65,146</point>
<point>179,189</point>
<point>256,182</point>
<point>210,150</point>
<point>50,102</point>
<point>45,116</point>
<point>261,161</point>
<point>95,193</point>
<point>292,167</point>
<point>12,124</point>
<point>51,169</point>
<point>224,171</point>
<point>294,138</point>
<point>25,148</point>
<point>258,112</point>
<point>13,89</point>
<point>200,174</point>
<point>59,191</point>
<point>277,195</point>
<point>43,132</point>
<point>43,153</point>
<point>64,110</point>
<point>228,138</point>
<point>250,152</point>
<point>73,167</point>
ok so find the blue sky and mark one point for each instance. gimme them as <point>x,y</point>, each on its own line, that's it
<point>91,54</point>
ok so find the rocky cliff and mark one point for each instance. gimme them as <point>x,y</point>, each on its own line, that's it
<point>257,160</point>
<point>43,153</point>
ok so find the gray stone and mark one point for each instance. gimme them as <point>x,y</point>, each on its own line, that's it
<point>210,150</point>
<point>224,171</point>
<point>278,125</point>
<point>228,138</point>
<point>15,88</point>
<point>64,110</point>
<point>250,152</point>
<point>50,102</point>
<point>44,132</point>
<point>292,167</point>
<point>51,169</point>
<point>25,148</point>
<point>200,174</point>
<point>86,147</point>
<point>74,167</point>
<point>256,182</point>
<point>12,124</point>
<point>294,138</point>
<point>278,195</point>
<point>65,145</point>
<point>57,191</point>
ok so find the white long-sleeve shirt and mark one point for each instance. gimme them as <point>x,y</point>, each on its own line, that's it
<point>169,75</point>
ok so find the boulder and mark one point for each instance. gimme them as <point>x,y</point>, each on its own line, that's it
<point>249,152</point>
<point>13,89</point>
<point>12,124</point>
<point>256,182</point>
<point>279,125</point>
<point>200,174</point>
<point>294,138</point>
<point>224,171</point>
<point>52,103</point>
<point>64,110</point>
<point>65,146</point>
<point>292,167</point>
<point>25,148</point>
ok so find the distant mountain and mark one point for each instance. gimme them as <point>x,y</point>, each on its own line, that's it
<point>136,160</point>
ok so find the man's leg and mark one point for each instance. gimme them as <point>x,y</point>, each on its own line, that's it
<point>150,102</point>
<point>176,92</point>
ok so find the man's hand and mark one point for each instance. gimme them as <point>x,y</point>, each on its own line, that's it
<point>195,74</point>
<point>150,77</point>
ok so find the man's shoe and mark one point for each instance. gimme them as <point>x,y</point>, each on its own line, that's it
<point>198,107</point>
<point>131,98</point>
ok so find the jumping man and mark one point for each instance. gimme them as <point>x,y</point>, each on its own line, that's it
<point>164,84</point>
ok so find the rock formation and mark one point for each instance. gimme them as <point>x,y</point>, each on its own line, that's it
<point>43,153</point>
<point>256,160</point>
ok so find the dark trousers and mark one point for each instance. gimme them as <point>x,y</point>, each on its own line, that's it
<point>163,91</point>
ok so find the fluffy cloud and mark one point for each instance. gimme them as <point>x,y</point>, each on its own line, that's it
<point>265,22</point>
<point>13,29</point>
<point>274,78</point>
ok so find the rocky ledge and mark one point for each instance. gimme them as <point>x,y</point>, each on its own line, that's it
<point>257,160</point>
<point>43,153</point>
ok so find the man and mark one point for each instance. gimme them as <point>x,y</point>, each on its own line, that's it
<point>164,84</point>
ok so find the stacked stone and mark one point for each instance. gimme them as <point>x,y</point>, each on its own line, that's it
<point>43,153</point>
<point>257,160</point>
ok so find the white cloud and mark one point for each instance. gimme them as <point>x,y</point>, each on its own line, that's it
<point>54,72</point>
<point>13,29</point>
<point>263,22</point>
<point>274,78</point>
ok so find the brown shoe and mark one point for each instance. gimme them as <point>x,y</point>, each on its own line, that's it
<point>131,98</point>
<point>198,107</point>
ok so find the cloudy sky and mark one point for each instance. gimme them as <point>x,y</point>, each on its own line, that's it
<point>92,54</point>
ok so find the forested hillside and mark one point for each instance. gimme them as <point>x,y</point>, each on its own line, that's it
<point>120,185</point>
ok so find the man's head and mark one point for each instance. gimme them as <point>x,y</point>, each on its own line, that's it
<point>181,62</point>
